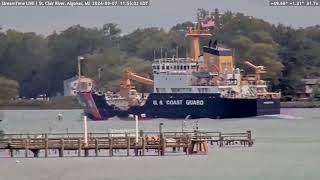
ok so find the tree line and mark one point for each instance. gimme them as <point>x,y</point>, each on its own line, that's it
<point>33,64</point>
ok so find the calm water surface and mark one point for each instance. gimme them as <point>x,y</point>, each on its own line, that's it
<point>286,147</point>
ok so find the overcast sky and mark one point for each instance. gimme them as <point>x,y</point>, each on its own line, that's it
<point>161,13</point>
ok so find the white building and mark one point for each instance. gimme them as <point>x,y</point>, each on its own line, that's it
<point>70,86</point>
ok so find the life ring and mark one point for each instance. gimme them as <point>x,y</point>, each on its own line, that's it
<point>99,93</point>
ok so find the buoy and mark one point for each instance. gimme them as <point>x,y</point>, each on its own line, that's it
<point>60,116</point>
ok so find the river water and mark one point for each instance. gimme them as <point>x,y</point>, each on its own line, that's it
<point>286,147</point>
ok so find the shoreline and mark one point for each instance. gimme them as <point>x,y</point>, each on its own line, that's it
<point>54,103</point>
<point>300,104</point>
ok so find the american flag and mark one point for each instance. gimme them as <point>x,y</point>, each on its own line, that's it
<point>207,24</point>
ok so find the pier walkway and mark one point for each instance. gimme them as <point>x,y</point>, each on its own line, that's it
<point>147,143</point>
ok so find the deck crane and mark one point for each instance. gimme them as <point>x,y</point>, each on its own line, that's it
<point>126,89</point>
<point>258,70</point>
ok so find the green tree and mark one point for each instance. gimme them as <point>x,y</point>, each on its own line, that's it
<point>9,89</point>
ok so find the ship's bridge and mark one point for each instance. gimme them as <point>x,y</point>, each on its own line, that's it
<point>175,75</point>
<point>174,66</point>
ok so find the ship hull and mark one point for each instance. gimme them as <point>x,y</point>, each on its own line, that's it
<point>181,106</point>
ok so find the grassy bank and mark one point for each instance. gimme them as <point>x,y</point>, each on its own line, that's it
<point>54,103</point>
<point>300,104</point>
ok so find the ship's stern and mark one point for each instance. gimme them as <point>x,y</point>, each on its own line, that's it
<point>268,106</point>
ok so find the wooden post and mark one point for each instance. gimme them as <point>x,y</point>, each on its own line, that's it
<point>61,150</point>
<point>187,149</point>
<point>11,152</point>
<point>46,145</point>
<point>86,152</point>
<point>128,144</point>
<point>96,142</point>
<point>36,152</point>
<point>136,153</point>
<point>159,147</point>
<point>10,147</point>
<point>137,128</point>
<point>79,147</point>
<point>26,146</point>
<point>250,142</point>
<point>163,145</point>
<point>143,146</point>
<point>220,139</point>
<point>141,133</point>
<point>110,146</point>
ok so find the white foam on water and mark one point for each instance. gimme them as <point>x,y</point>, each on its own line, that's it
<point>283,116</point>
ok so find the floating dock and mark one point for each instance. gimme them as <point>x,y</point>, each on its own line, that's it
<point>120,144</point>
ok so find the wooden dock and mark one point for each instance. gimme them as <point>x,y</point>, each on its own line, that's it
<point>120,144</point>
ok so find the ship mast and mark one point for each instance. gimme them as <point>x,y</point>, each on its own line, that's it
<point>195,33</point>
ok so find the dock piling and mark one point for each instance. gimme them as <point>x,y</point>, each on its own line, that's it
<point>220,140</point>
<point>61,154</point>
<point>46,145</point>
<point>96,144</point>
<point>26,146</point>
<point>79,147</point>
<point>250,142</point>
<point>128,144</point>
<point>110,146</point>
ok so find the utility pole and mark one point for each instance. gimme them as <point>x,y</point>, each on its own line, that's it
<point>99,73</point>
<point>79,71</point>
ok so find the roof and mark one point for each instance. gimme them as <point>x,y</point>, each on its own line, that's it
<point>218,51</point>
<point>311,81</point>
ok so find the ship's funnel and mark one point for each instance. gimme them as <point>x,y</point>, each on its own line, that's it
<point>195,33</point>
<point>218,59</point>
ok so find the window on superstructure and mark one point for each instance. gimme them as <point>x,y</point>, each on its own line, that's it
<point>162,68</point>
<point>174,67</point>
<point>167,67</point>
<point>184,67</point>
<point>181,67</point>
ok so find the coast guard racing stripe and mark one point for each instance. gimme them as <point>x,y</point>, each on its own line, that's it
<point>90,102</point>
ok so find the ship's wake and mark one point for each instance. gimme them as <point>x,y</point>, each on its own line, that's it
<point>282,116</point>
